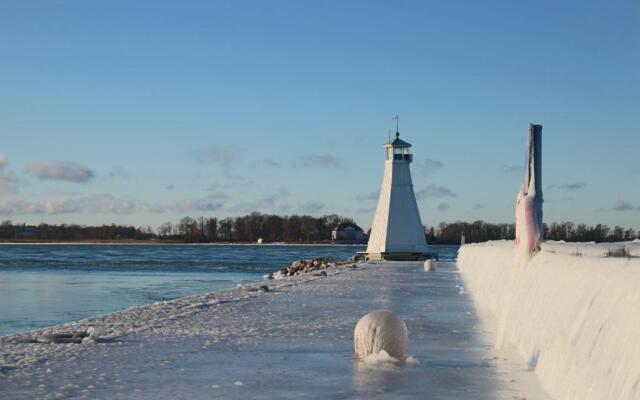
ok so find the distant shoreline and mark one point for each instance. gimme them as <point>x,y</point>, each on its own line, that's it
<point>169,242</point>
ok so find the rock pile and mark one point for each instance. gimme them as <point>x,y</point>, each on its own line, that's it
<point>314,266</point>
<point>68,337</point>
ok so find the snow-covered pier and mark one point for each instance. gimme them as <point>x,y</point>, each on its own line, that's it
<point>571,311</point>
<point>293,339</point>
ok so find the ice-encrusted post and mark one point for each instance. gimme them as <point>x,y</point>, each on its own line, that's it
<point>529,201</point>
<point>535,153</point>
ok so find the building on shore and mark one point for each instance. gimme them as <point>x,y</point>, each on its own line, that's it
<point>348,232</point>
<point>397,232</point>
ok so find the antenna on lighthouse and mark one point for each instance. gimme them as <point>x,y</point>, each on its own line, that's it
<point>397,118</point>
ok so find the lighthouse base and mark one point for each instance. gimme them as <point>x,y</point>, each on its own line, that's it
<point>397,256</point>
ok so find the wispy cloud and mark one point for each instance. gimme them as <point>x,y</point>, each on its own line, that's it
<point>119,173</point>
<point>513,169</point>
<point>311,207</point>
<point>478,206</point>
<point>435,191</point>
<point>59,206</point>
<point>216,155</point>
<point>267,162</point>
<point>443,206</point>
<point>208,203</point>
<point>232,182</point>
<point>573,186</point>
<point>99,204</point>
<point>3,160</point>
<point>108,204</point>
<point>624,206</point>
<point>60,171</point>
<point>319,160</point>
<point>9,182</point>
<point>197,204</point>
<point>13,207</point>
<point>372,196</point>
<point>428,165</point>
<point>269,202</point>
<point>365,210</point>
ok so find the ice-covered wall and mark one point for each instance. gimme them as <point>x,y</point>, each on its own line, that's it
<point>575,318</point>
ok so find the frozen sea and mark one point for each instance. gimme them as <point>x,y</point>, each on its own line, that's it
<point>48,284</point>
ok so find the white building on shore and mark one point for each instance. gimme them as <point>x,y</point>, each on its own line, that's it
<point>397,232</point>
<point>347,232</point>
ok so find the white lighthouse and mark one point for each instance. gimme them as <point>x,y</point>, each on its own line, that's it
<point>397,232</point>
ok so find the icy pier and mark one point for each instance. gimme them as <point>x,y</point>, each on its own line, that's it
<point>571,311</point>
<point>293,339</point>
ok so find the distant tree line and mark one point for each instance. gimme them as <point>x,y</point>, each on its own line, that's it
<point>248,228</point>
<point>293,229</point>
<point>72,232</point>
<point>480,231</point>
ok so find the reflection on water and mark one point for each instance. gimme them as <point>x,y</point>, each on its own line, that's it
<point>378,377</point>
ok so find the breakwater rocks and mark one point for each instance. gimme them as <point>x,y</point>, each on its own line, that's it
<point>315,266</point>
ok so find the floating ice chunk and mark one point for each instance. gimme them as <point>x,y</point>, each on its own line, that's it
<point>237,383</point>
<point>380,331</point>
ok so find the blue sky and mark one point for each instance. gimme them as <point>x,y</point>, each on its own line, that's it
<point>140,112</point>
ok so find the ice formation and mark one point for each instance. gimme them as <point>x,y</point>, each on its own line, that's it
<point>529,199</point>
<point>380,335</point>
<point>572,313</point>
<point>430,265</point>
<point>198,346</point>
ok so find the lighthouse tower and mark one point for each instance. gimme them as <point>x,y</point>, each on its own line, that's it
<point>397,232</point>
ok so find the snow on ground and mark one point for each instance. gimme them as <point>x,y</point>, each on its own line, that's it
<point>571,311</point>
<point>591,249</point>
<point>293,341</point>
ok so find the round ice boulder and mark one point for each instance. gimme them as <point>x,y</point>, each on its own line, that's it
<point>380,331</point>
<point>430,265</point>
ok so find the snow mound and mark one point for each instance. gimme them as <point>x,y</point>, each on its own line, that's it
<point>571,312</point>
<point>379,335</point>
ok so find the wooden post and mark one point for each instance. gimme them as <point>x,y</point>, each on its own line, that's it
<point>535,166</point>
